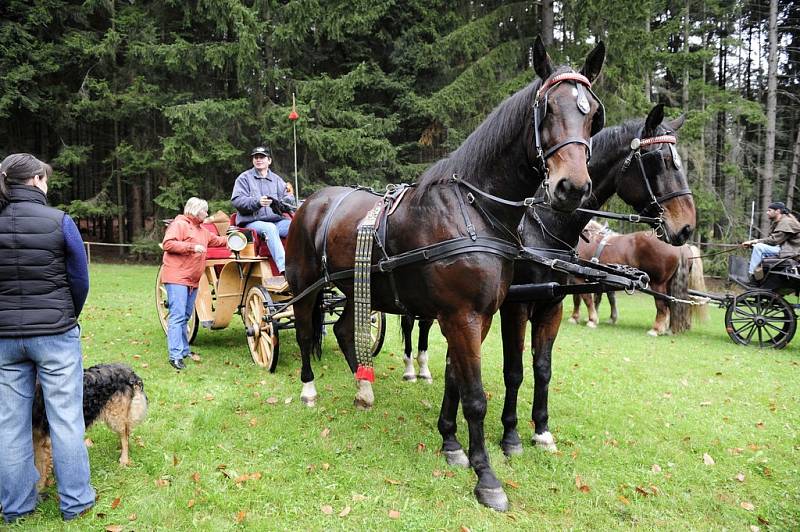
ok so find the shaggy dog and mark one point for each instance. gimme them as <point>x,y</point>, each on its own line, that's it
<point>112,393</point>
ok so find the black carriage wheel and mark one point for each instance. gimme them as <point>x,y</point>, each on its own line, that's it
<point>262,334</point>
<point>162,308</point>
<point>762,318</point>
<point>377,331</point>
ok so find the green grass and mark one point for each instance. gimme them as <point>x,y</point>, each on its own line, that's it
<point>620,402</point>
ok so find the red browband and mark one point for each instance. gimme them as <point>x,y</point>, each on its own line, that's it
<point>661,139</point>
<point>567,76</point>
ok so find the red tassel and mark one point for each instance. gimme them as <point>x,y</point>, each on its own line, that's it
<point>363,373</point>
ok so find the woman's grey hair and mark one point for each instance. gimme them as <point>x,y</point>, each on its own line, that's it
<point>195,206</point>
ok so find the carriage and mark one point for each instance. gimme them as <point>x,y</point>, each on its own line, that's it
<point>239,279</point>
<point>761,315</point>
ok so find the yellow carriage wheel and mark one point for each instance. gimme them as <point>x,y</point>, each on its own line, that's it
<point>262,334</point>
<point>377,322</point>
<point>162,308</point>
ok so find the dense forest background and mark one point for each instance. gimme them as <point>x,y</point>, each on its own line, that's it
<point>140,104</point>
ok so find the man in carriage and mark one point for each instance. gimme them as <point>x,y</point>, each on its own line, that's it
<point>783,240</point>
<point>254,193</point>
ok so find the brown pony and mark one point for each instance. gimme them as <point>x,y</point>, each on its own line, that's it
<point>533,134</point>
<point>670,269</point>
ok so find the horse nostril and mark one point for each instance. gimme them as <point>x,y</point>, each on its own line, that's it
<point>686,232</point>
<point>566,189</point>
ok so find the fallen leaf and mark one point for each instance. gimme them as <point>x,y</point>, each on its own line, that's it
<point>581,485</point>
<point>253,422</point>
<point>344,512</point>
<point>420,447</point>
<point>115,503</point>
<point>208,397</point>
<point>747,506</point>
<point>327,509</point>
<point>394,514</point>
<point>196,476</point>
<point>272,400</point>
<point>511,483</point>
<point>325,466</point>
<point>760,425</point>
<point>145,365</point>
<point>767,472</point>
<point>392,481</point>
<point>656,468</point>
<point>754,528</point>
<point>113,528</point>
<point>705,403</point>
<point>190,503</point>
<point>132,517</point>
<point>137,357</point>
<point>740,477</point>
<point>437,473</point>
<point>357,497</point>
<point>643,491</point>
<point>287,400</point>
<point>464,529</point>
<point>240,516</point>
<point>624,500</point>
<point>175,460</point>
<point>707,460</point>
<point>326,432</point>
<point>162,482</point>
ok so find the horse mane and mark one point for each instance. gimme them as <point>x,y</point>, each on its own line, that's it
<point>483,146</point>
<point>611,139</point>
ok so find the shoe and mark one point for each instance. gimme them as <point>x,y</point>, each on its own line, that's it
<point>79,515</point>
<point>177,364</point>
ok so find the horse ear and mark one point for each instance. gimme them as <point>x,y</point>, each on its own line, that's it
<point>542,64</point>
<point>676,124</point>
<point>594,62</point>
<point>654,119</point>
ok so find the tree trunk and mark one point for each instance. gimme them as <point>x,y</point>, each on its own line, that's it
<point>547,22</point>
<point>685,93</point>
<point>772,104</point>
<point>793,173</point>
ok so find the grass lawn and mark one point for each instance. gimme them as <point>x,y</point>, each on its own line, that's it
<point>638,422</point>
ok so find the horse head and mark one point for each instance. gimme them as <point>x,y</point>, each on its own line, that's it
<point>566,113</point>
<point>653,181</point>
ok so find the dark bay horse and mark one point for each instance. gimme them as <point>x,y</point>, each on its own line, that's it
<point>672,271</point>
<point>541,131</point>
<point>637,161</point>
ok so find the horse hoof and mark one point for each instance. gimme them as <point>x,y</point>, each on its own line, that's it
<point>511,449</point>
<point>652,332</point>
<point>410,378</point>
<point>360,404</point>
<point>494,498</point>
<point>457,458</point>
<point>310,402</point>
<point>591,325</point>
<point>426,378</point>
<point>573,321</point>
<point>545,441</point>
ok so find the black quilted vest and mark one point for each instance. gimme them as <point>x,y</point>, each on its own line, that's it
<point>35,298</point>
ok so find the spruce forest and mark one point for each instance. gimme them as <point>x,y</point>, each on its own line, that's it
<point>140,104</point>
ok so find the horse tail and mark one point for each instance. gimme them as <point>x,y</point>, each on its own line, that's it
<point>317,326</point>
<point>679,313</point>
<point>697,281</point>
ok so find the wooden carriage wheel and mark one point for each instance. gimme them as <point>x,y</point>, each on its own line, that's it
<point>262,334</point>
<point>762,318</point>
<point>162,308</point>
<point>377,331</point>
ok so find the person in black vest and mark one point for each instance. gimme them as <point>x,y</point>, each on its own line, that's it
<point>44,281</point>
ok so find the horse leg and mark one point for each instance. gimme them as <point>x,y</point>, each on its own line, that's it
<point>465,333</point>
<point>451,448</point>
<point>344,329</point>
<point>662,312</point>
<point>422,350</point>
<point>308,331</point>
<point>544,330</point>
<point>513,320</point>
<point>591,310</point>
<point>576,309</point>
<point>407,325</point>
<point>612,302</point>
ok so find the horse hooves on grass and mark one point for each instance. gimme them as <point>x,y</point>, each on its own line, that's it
<point>545,441</point>
<point>457,458</point>
<point>511,449</point>
<point>310,402</point>
<point>361,404</point>
<point>427,379</point>
<point>494,498</point>
<point>410,378</point>
<point>652,332</point>
<point>591,325</point>
<point>573,321</point>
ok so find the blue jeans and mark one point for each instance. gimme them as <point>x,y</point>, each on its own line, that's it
<point>57,361</point>
<point>760,251</point>
<point>273,233</point>
<point>180,299</point>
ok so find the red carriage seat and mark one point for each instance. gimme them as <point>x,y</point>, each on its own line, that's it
<point>216,252</point>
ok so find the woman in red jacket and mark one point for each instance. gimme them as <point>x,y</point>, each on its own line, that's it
<point>185,244</point>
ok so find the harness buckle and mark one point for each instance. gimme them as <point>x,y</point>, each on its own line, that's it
<point>530,202</point>
<point>634,218</point>
<point>470,198</point>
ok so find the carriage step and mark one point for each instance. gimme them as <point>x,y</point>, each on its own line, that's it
<point>276,284</point>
